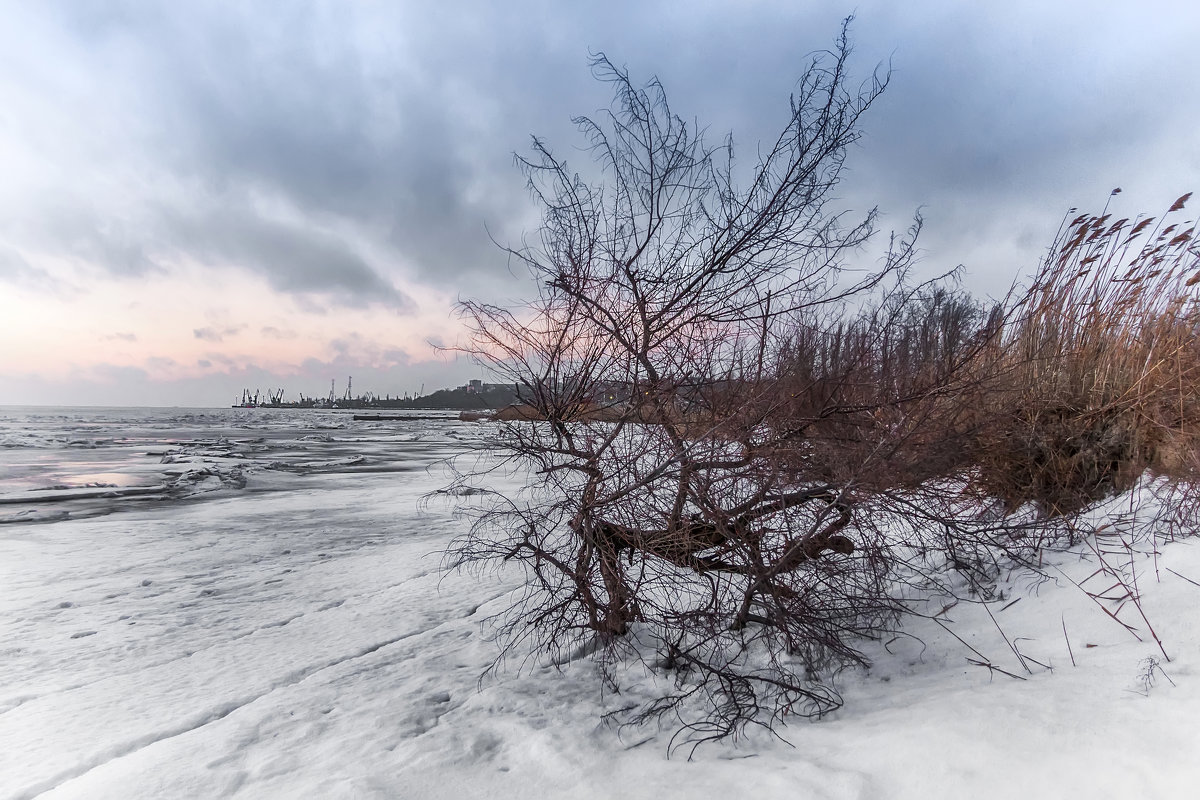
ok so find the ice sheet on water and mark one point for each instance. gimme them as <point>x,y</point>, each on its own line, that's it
<point>54,456</point>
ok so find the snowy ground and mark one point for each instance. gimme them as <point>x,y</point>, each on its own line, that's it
<point>295,638</point>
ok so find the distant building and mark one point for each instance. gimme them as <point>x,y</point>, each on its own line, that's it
<point>477,386</point>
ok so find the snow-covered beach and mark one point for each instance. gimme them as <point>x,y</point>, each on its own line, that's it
<point>265,615</point>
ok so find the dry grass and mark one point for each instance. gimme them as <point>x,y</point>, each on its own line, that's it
<point>1062,395</point>
<point>1095,372</point>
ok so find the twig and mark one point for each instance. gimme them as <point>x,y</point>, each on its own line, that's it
<point>1070,652</point>
<point>1189,580</point>
<point>1125,625</point>
<point>994,668</point>
<point>1004,636</point>
<point>960,639</point>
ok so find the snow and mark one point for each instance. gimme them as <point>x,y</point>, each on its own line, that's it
<point>296,637</point>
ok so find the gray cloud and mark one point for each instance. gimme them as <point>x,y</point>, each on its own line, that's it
<point>92,236</point>
<point>207,334</point>
<point>355,349</point>
<point>296,108</point>
<point>293,259</point>
<point>14,267</point>
<point>214,335</point>
<point>271,332</point>
<point>220,358</point>
<point>16,270</point>
<point>340,149</point>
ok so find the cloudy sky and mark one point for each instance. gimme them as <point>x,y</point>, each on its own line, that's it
<point>197,197</point>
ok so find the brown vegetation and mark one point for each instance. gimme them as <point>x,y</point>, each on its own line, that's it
<point>1101,360</point>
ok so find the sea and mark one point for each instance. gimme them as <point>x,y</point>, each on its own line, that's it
<point>75,462</point>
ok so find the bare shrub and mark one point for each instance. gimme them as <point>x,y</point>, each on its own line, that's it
<point>670,295</point>
<point>739,449</point>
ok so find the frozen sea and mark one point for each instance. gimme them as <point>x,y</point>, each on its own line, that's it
<point>250,603</point>
<point>81,462</point>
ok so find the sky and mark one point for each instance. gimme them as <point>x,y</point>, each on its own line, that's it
<point>201,197</point>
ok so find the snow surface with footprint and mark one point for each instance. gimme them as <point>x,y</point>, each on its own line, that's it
<point>285,630</point>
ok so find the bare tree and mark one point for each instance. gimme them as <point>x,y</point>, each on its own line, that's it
<point>716,404</point>
<point>740,446</point>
